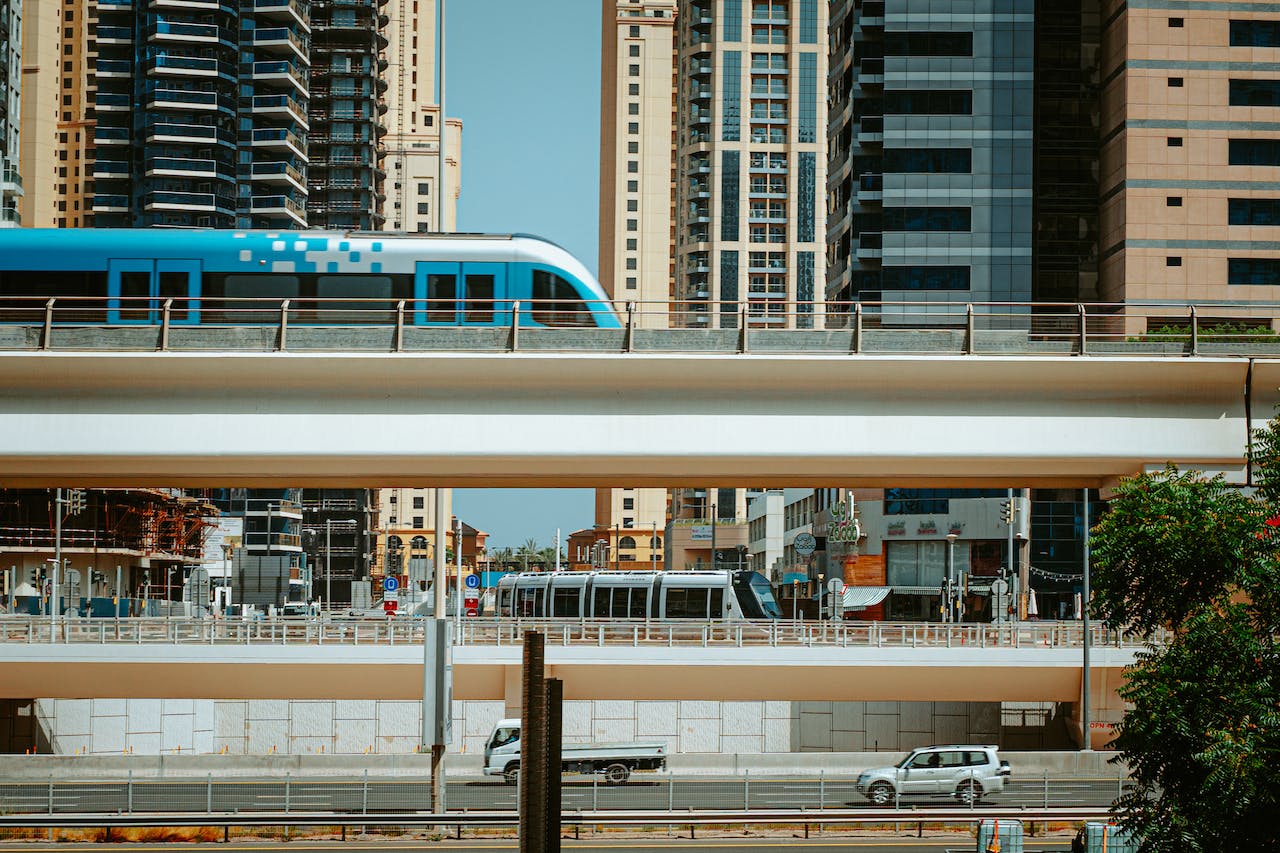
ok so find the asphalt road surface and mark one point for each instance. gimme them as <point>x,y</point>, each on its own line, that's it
<point>646,791</point>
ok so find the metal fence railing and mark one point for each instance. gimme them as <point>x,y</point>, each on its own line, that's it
<point>695,324</point>
<point>488,631</point>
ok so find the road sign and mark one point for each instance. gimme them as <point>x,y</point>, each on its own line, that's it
<point>389,605</point>
<point>390,584</point>
<point>805,544</point>
<point>472,581</point>
<point>473,611</point>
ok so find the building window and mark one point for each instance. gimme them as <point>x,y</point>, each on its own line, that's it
<point>424,188</point>
<point>804,290</point>
<point>1254,93</point>
<point>631,282</point>
<point>1173,201</point>
<point>632,205</point>
<point>1173,261</point>
<point>633,127</point>
<point>631,263</point>
<point>424,208</point>
<point>931,102</point>
<point>633,166</point>
<point>731,91</point>
<point>1255,33</point>
<point>1253,271</point>
<point>633,147</point>
<point>925,278</point>
<point>1253,152</point>
<point>1175,82</point>
<point>633,88</point>
<point>927,219</point>
<point>633,225</point>
<point>1175,141</point>
<point>633,50</point>
<point>1253,211</point>
<point>417,522</point>
<point>419,502</point>
<point>732,22</point>
<point>634,32</point>
<point>633,186</point>
<point>628,503</point>
<point>392,520</point>
<point>633,70</point>
<point>633,109</point>
<point>1175,22</point>
<point>728,289</point>
<point>805,197</point>
<point>808,21</point>
<point>926,160</point>
<point>898,43</point>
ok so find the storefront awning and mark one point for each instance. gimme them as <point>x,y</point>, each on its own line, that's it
<point>861,597</point>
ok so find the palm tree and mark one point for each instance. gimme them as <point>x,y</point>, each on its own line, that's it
<point>548,556</point>
<point>528,551</point>
<point>500,557</point>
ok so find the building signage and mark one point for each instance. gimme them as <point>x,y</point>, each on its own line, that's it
<point>843,526</point>
<point>927,528</point>
<point>700,533</point>
<point>897,528</point>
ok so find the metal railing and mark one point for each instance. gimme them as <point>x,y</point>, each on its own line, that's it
<point>766,325</point>
<point>490,631</point>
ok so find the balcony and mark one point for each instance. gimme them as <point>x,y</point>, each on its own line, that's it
<point>699,117</point>
<point>297,11</point>
<point>764,189</point>
<point>111,204</point>
<point>776,91</point>
<point>279,139</point>
<point>870,246</point>
<point>699,190</point>
<point>165,65</point>
<point>200,202</point>
<point>113,102</point>
<point>871,130</point>
<point>10,217</point>
<point>11,181</point>
<point>765,215</point>
<point>110,169</point>
<point>172,32</point>
<point>700,93</point>
<point>179,99</point>
<point>182,168</point>
<point>105,68</point>
<point>201,5</point>
<point>280,72</point>
<point>280,105</point>
<point>871,72</point>
<point>278,172</point>
<point>187,133</point>
<point>110,135</point>
<point>278,205</point>
<point>871,188</point>
<point>700,68</point>
<point>700,215</point>
<point>115,35</point>
<point>281,40</point>
<point>260,542</point>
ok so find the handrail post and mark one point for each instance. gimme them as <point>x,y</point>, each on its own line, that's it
<point>46,340</point>
<point>742,331</point>
<point>628,344</point>
<point>1195,332</point>
<point>857,328</point>
<point>399,343</point>
<point>968,328</point>
<point>165,313</point>
<point>284,326</point>
<point>1084,329</point>
<point>515,326</point>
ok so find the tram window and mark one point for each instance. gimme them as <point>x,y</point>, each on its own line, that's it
<point>687,603</point>
<point>248,298</point>
<point>176,286</point>
<point>529,602</point>
<point>441,292</point>
<point>504,602</point>
<point>358,288</point>
<point>564,602</point>
<point>45,285</point>
<point>717,604</point>
<point>556,302</point>
<point>639,603</point>
<point>479,299</point>
<point>600,603</point>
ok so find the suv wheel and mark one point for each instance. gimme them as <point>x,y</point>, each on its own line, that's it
<point>969,793</point>
<point>880,794</point>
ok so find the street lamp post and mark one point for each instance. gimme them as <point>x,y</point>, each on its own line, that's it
<point>948,612</point>
<point>1085,744</point>
<point>713,537</point>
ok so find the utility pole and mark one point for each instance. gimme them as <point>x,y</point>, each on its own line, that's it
<point>328,563</point>
<point>1085,745</point>
<point>653,547</point>
<point>444,123</point>
<point>57,560</point>
<point>440,570</point>
<point>457,577</point>
<point>533,746</point>
<point>713,537</point>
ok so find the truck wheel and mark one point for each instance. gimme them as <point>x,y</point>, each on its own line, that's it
<point>880,794</point>
<point>617,774</point>
<point>511,773</point>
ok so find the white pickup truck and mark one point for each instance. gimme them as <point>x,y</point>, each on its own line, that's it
<point>614,760</point>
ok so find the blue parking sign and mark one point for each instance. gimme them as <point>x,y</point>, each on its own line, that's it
<point>390,584</point>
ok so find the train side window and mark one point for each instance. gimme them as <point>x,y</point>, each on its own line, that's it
<point>441,295</point>
<point>556,302</point>
<point>504,602</point>
<point>687,603</point>
<point>248,298</point>
<point>43,285</point>
<point>639,603</point>
<point>600,603</point>
<point>564,602</point>
<point>717,604</point>
<point>135,287</point>
<point>478,305</point>
<point>174,285</point>
<point>359,289</point>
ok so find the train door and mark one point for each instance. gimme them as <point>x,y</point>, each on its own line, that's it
<point>137,289</point>
<point>461,294</point>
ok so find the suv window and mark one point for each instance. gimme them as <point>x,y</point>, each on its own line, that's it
<point>954,759</point>
<point>975,759</point>
<point>924,759</point>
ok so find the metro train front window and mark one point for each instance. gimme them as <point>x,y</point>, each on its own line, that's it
<point>755,596</point>
<point>764,593</point>
<point>556,302</point>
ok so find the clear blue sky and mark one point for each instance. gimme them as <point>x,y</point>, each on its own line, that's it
<point>524,77</point>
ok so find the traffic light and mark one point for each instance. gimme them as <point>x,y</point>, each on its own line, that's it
<point>75,500</point>
<point>1007,512</point>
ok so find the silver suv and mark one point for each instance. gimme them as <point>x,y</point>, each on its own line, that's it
<point>965,772</point>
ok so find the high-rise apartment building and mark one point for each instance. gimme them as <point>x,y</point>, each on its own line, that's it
<point>413,125</point>
<point>637,127</point>
<point>1191,158</point>
<point>38,162</point>
<point>347,173</point>
<point>10,109</point>
<point>931,172</point>
<point>750,162</point>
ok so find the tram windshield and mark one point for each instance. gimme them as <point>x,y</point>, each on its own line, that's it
<point>755,595</point>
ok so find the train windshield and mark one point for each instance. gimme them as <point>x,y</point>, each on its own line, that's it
<point>556,302</point>
<point>755,596</point>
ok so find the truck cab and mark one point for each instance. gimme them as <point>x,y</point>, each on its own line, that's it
<point>615,761</point>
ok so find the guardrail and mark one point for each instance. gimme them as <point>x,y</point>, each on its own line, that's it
<point>562,632</point>
<point>201,324</point>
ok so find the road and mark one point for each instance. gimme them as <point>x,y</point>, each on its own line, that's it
<point>644,791</point>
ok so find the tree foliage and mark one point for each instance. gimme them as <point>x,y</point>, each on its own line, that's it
<point>1202,740</point>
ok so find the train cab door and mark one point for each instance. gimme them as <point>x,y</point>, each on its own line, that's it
<point>137,289</point>
<point>461,294</point>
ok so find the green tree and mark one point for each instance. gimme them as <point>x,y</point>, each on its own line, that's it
<point>1198,558</point>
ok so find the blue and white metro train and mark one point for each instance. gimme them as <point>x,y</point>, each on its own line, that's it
<point>122,276</point>
<point>729,595</point>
